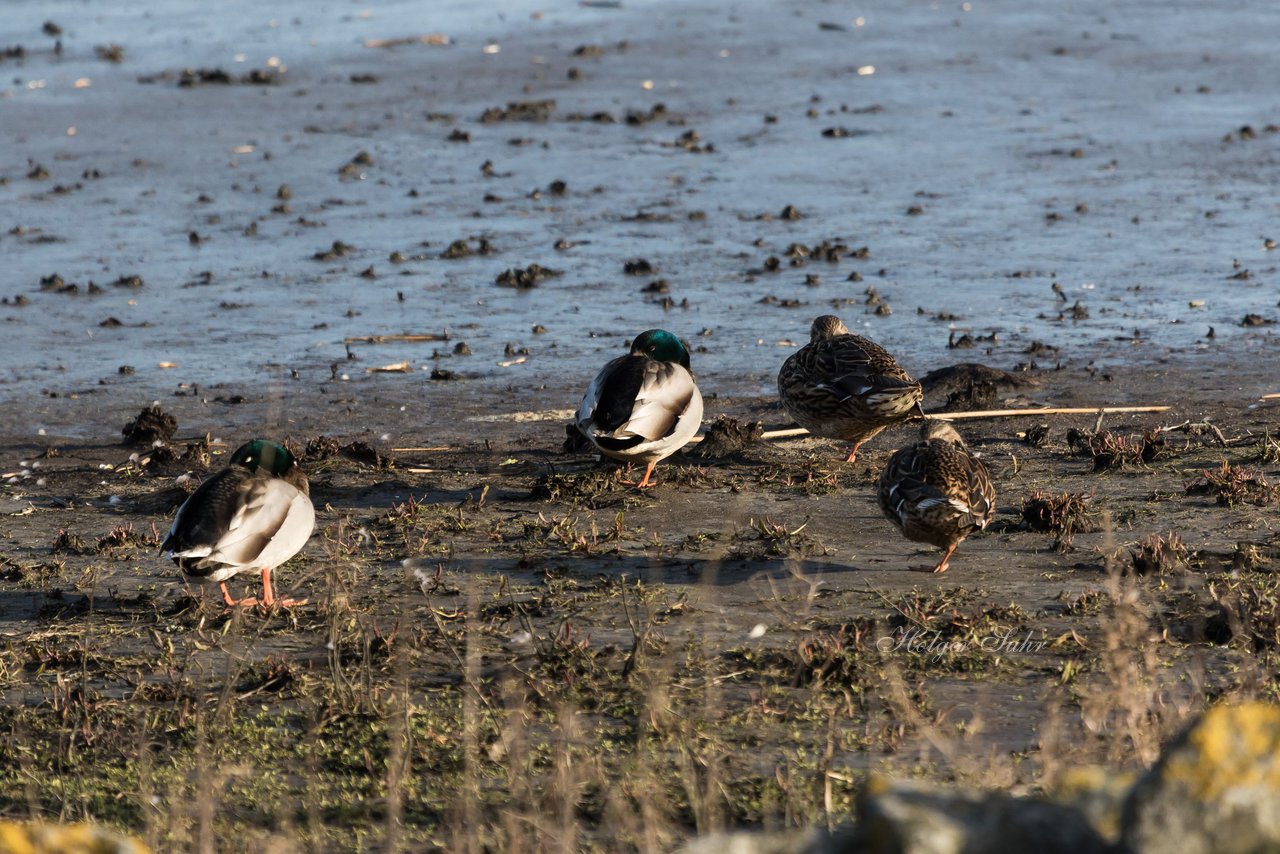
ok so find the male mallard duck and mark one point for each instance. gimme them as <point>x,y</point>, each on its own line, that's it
<point>936,491</point>
<point>843,386</point>
<point>254,514</point>
<point>645,405</point>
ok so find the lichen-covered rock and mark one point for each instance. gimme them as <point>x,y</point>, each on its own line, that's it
<point>37,838</point>
<point>1215,788</point>
<point>902,819</point>
<point>1099,793</point>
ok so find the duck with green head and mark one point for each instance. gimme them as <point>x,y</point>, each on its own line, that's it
<point>644,406</point>
<point>254,514</point>
<point>844,386</point>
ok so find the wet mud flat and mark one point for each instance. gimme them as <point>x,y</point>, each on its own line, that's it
<point>495,624</point>
<point>505,646</point>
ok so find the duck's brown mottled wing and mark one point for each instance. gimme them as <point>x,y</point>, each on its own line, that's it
<point>936,491</point>
<point>847,378</point>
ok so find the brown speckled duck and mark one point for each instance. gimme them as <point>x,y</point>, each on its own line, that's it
<point>936,491</point>
<point>844,386</point>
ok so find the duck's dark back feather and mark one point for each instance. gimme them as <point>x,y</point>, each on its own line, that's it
<point>623,378</point>
<point>207,513</point>
<point>206,516</point>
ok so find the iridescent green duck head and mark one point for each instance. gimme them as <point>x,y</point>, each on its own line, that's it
<point>827,326</point>
<point>263,454</point>
<point>661,345</point>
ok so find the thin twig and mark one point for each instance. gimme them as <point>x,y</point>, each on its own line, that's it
<point>1056,410</point>
<point>985,413</point>
<point>435,39</point>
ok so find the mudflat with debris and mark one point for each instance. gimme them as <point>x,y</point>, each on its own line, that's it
<point>404,244</point>
<point>494,622</point>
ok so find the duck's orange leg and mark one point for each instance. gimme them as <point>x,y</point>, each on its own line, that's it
<point>853,455</point>
<point>644,481</point>
<point>941,566</point>
<point>268,599</point>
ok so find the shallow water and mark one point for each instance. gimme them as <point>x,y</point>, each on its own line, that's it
<point>1041,144</point>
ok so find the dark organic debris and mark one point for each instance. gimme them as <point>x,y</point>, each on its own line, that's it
<point>1113,450</point>
<point>321,447</point>
<point>1037,436</point>
<point>362,452</point>
<point>190,78</point>
<point>354,168</point>
<point>691,141</point>
<point>526,278</point>
<point>964,374</point>
<point>727,436</point>
<point>1235,485</point>
<point>462,248</point>
<point>520,111</point>
<point>1062,514</point>
<point>334,252</point>
<point>575,442</point>
<point>150,425</point>
<point>843,133</point>
<point>966,340</point>
<point>70,543</point>
<point>975,394</point>
<point>326,447</point>
<point>1157,555</point>
<point>640,117</point>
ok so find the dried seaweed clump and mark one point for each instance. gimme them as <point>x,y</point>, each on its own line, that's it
<point>1234,486</point>
<point>152,424</point>
<point>727,436</point>
<point>1062,514</point>
<point>1157,555</point>
<point>1114,450</point>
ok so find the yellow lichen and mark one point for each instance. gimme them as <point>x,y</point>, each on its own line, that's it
<point>1229,748</point>
<point>37,838</point>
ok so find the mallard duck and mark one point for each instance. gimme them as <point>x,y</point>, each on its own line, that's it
<point>643,406</point>
<point>843,386</point>
<point>254,514</point>
<point>936,491</point>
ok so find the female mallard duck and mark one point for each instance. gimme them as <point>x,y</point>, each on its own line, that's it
<point>254,514</point>
<point>843,386</point>
<point>936,491</point>
<point>645,405</point>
